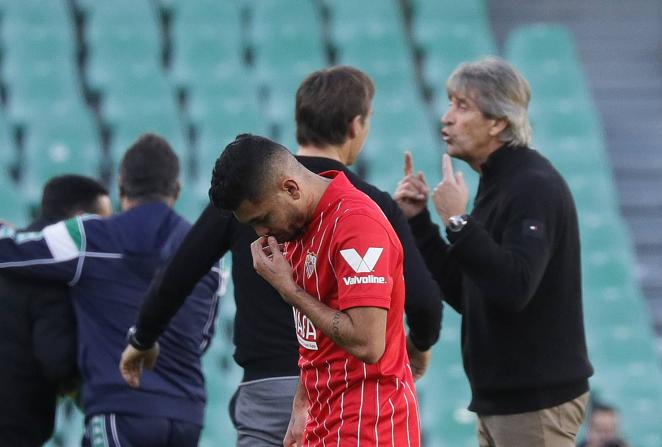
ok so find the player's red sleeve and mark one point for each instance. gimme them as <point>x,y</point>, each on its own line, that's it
<point>364,261</point>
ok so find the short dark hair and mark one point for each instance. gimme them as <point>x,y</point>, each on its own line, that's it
<point>149,170</point>
<point>327,101</point>
<point>67,195</point>
<point>243,170</point>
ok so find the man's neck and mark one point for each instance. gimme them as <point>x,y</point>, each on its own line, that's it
<point>319,185</point>
<point>126,203</point>
<point>478,162</point>
<point>332,152</point>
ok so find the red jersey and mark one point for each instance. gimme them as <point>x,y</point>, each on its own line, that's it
<point>350,256</point>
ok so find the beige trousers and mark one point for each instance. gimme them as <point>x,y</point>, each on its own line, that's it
<point>550,427</point>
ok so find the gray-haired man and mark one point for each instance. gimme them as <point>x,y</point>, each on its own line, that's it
<point>511,267</point>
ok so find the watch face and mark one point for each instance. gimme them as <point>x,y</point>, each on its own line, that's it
<point>456,223</point>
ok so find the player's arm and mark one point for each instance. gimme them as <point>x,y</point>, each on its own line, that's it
<point>361,331</point>
<point>55,253</point>
<point>423,301</point>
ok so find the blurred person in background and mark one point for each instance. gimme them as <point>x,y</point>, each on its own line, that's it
<point>38,325</point>
<point>511,268</point>
<point>332,111</point>
<point>603,428</point>
<point>109,263</point>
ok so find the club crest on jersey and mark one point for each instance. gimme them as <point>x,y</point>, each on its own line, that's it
<point>309,265</point>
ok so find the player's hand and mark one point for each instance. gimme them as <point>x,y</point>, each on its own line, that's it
<point>418,360</point>
<point>294,434</point>
<point>451,195</point>
<point>133,361</point>
<point>270,264</point>
<point>412,191</point>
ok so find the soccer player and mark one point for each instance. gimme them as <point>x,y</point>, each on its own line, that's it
<point>109,263</point>
<point>343,279</point>
<point>38,325</point>
<point>333,112</point>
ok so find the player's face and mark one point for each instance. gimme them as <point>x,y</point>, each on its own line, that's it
<point>466,131</point>
<point>276,216</point>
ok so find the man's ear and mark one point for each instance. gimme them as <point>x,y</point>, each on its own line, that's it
<point>354,126</point>
<point>178,189</point>
<point>499,126</point>
<point>291,186</point>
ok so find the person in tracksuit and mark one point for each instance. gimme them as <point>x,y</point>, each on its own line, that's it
<point>109,263</point>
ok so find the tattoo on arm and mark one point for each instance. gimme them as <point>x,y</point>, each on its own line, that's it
<point>335,328</point>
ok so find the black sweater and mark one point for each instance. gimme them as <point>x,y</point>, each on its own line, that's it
<point>38,351</point>
<point>265,340</point>
<point>513,272</point>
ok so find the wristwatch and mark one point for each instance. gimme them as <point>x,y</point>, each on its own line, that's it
<point>133,341</point>
<point>456,223</point>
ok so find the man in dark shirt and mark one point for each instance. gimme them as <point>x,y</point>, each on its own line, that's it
<point>38,326</point>
<point>511,268</point>
<point>333,116</point>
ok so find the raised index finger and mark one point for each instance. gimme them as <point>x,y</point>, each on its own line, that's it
<point>447,168</point>
<point>409,163</point>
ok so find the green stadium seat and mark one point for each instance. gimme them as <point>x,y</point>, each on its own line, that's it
<point>380,52</point>
<point>136,12</point>
<point>35,13</point>
<point>138,93</point>
<point>123,38</point>
<point>164,122</point>
<point>193,198</point>
<point>547,57</point>
<point>57,148</point>
<point>219,125</point>
<point>541,43</point>
<point>449,33</point>
<point>206,40</point>
<point>353,19</point>
<point>37,52</point>
<point>236,89</point>
<point>7,148</point>
<point>45,91</point>
<point>286,51</point>
<point>13,208</point>
<point>444,12</point>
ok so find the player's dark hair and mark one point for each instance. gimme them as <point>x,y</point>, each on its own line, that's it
<point>243,170</point>
<point>149,170</point>
<point>67,195</point>
<point>327,101</point>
